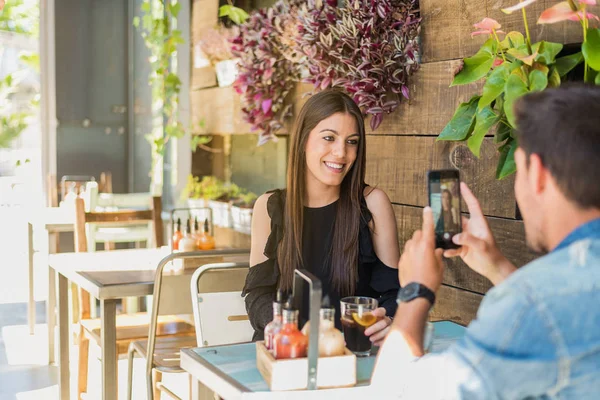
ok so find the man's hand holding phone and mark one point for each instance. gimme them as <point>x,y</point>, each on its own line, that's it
<point>478,247</point>
<point>421,262</point>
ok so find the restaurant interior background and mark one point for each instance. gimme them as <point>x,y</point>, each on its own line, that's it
<point>79,71</point>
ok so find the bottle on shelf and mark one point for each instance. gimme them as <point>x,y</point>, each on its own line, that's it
<point>275,325</point>
<point>187,242</point>
<point>289,342</point>
<point>203,239</point>
<point>177,235</point>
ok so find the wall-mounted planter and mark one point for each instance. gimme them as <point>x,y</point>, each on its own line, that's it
<point>227,72</point>
<point>241,219</point>
<point>221,213</point>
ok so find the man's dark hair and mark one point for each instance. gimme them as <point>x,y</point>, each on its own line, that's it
<point>562,126</point>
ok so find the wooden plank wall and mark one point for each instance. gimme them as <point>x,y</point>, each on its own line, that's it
<point>403,148</point>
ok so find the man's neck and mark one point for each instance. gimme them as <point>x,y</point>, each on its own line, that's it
<point>569,218</point>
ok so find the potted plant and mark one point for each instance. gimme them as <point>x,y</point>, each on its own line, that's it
<point>513,67</point>
<point>367,48</point>
<point>221,196</point>
<point>199,194</point>
<point>215,44</point>
<point>241,212</point>
<point>266,73</point>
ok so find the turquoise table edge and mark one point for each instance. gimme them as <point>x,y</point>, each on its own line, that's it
<point>238,361</point>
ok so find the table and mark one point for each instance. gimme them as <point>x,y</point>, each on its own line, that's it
<point>231,372</point>
<point>52,220</point>
<point>107,276</point>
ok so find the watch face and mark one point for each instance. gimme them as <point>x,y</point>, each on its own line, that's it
<point>409,291</point>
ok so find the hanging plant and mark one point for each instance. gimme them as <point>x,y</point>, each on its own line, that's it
<point>367,48</point>
<point>157,29</point>
<point>267,71</point>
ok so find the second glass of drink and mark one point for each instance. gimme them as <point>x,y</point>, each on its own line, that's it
<point>357,315</point>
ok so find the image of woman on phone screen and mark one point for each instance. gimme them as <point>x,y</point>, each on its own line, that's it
<point>448,219</point>
<point>327,220</point>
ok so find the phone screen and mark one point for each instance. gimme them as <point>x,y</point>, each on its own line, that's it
<point>444,200</point>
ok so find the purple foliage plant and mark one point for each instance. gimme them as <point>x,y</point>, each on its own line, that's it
<point>268,70</point>
<point>368,48</point>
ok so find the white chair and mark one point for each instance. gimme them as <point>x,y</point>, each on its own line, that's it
<point>162,355</point>
<point>220,316</point>
<point>96,202</point>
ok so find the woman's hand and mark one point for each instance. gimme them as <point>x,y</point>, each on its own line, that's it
<point>379,330</point>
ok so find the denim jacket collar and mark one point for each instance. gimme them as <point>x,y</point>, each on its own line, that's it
<point>589,230</point>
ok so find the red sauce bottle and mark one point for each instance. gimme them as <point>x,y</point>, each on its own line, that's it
<point>289,342</point>
<point>177,235</point>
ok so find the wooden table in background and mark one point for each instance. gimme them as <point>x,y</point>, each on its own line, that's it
<point>108,276</point>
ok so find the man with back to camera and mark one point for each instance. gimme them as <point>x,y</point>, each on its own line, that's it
<point>537,332</point>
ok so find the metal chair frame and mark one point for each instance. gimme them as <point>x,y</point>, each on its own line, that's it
<point>155,312</point>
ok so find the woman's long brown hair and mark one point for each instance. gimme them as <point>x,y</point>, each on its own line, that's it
<point>344,251</point>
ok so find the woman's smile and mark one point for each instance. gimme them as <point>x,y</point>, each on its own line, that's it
<point>336,168</point>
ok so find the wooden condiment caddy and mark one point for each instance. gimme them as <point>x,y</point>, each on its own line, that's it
<point>291,374</point>
<point>310,372</point>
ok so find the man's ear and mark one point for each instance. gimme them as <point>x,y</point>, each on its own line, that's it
<point>538,174</point>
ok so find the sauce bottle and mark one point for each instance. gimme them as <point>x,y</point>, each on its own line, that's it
<point>275,325</point>
<point>203,239</point>
<point>331,340</point>
<point>177,235</point>
<point>289,342</point>
<point>187,242</point>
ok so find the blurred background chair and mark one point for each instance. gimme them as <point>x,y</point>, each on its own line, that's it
<point>129,326</point>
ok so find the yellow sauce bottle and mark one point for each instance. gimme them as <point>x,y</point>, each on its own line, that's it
<point>204,240</point>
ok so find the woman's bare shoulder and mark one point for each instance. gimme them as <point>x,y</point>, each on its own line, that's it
<point>376,198</point>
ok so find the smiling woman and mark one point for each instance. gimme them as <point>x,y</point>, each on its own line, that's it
<point>327,220</point>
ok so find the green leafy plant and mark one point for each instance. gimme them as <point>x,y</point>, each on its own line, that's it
<point>246,200</point>
<point>21,19</point>
<point>208,188</point>
<point>12,123</point>
<point>161,38</point>
<point>513,67</point>
<point>235,14</point>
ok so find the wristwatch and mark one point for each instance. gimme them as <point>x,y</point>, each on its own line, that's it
<point>415,290</point>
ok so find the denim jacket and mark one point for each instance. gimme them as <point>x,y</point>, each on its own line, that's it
<point>536,335</point>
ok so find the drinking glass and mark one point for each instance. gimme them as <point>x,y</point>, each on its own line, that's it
<point>357,315</point>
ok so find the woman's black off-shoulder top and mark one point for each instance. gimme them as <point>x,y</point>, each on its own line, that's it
<point>375,279</point>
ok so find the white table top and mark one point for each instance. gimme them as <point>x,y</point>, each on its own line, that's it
<point>53,218</point>
<point>118,273</point>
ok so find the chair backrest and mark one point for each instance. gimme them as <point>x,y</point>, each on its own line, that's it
<point>80,181</point>
<point>219,310</point>
<point>52,190</point>
<point>116,218</point>
<point>77,182</point>
<point>96,200</point>
<point>105,185</point>
<point>166,283</point>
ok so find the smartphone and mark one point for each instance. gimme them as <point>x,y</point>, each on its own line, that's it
<point>444,199</point>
